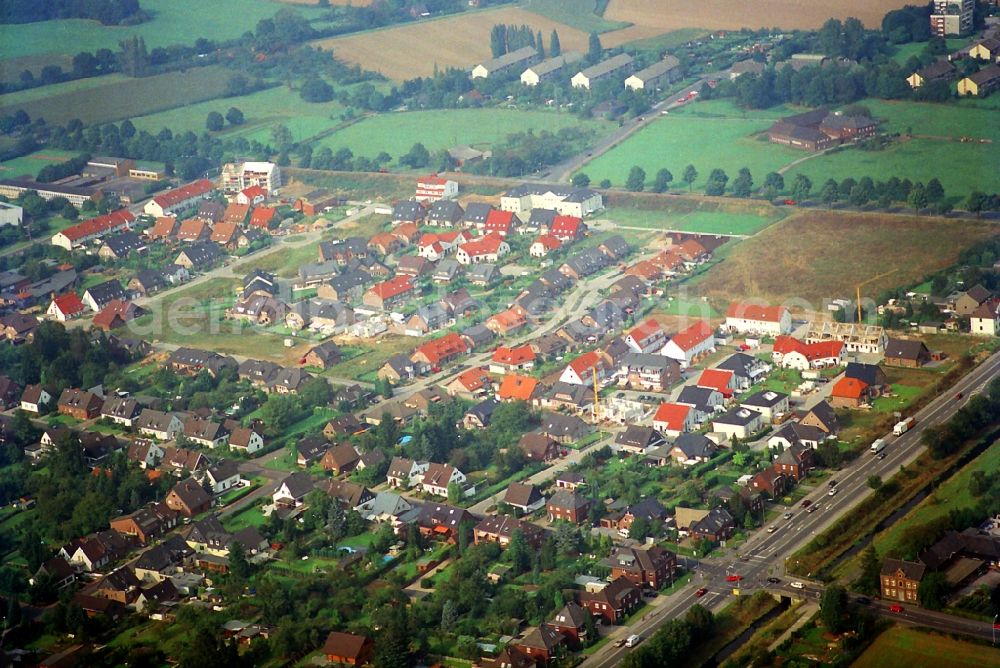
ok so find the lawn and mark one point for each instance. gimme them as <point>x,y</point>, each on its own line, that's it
<point>703,222</point>
<point>579,14</point>
<point>904,647</point>
<point>249,517</point>
<point>951,495</point>
<point>933,152</point>
<point>395,133</point>
<point>905,51</point>
<point>132,97</point>
<point>705,134</point>
<point>33,162</point>
<point>174,22</point>
<point>261,110</point>
<point>286,263</point>
<point>813,246</point>
<point>373,355</point>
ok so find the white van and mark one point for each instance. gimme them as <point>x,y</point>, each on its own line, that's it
<point>632,640</point>
<point>797,585</point>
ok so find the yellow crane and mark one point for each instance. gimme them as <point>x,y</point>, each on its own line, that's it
<point>864,283</point>
<point>597,398</point>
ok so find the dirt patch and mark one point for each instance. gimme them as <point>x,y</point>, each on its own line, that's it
<point>819,255</point>
<point>460,41</point>
<point>666,15</point>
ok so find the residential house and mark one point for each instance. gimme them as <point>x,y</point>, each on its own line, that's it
<point>656,75</point>
<point>768,403</point>
<point>35,398</point>
<point>908,353</point>
<point>539,447</point>
<point>438,352</point>
<point>614,66</point>
<point>571,622</point>
<point>390,293</point>
<point>324,355</point>
<point>523,497</point>
<point>408,211</point>
<point>397,368</point>
<point>119,247</point>
<point>310,450</point>
<point>483,275</point>
<point>792,433</point>
<point>292,490</point>
<point>222,476</point>
<point>500,529</point>
<point>206,433</point>
<point>900,579</point>
<point>541,644</point>
<point>65,307</point>
<point>647,337</point>
<point>795,461</point>
<point>200,256</point>
<point>147,523</point>
<point>741,423</point>
<point>438,477</point>
<point>982,83</point>
<point>158,425</point>
<point>673,419</point>
<point>613,602</point>
<point>549,69</point>
<point>406,473</point>
<point>718,525</point>
<point>637,439</point>
<point>488,248</point>
<point>563,428</point>
<point>648,371</point>
<point>691,449</point>
<point>121,410</point>
<point>745,318</point>
<point>188,498</point>
<point>348,649</point>
<point>790,353</point>
<point>651,567</point>
<point>116,314</point>
<point>79,404</point>
<point>568,506</point>
<point>690,344</point>
<point>506,64</point>
<point>985,320</point>
<point>822,416</point>
<point>348,494</point>
<point>340,459</point>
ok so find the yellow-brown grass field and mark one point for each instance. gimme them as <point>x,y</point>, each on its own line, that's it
<point>353,3</point>
<point>818,255</point>
<point>652,17</point>
<point>461,41</point>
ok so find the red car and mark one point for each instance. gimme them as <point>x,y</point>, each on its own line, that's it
<point>895,608</point>
<point>790,202</point>
<point>733,578</point>
<point>958,396</point>
<point>701,592</point>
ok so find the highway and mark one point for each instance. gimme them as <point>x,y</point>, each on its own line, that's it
<point>764,554</point>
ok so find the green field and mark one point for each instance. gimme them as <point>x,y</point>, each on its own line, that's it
<point>707,135</point>
<point>261,111</point>
<point>934,151</point>
<point>395,133</point>
<point>905,51</point>
<point>31,163</point>
<point>41,92</point>
<point>578,14</point>
<point>118,98</point>
<point>704,222</point>
<point>174,22</point>
<point>903,647</point>
<point>951,495</point>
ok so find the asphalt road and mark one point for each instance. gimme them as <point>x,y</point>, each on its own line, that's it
<point>764,554</point>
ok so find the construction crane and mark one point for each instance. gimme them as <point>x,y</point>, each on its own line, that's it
<point>597,398</point>
<point>864,283</point>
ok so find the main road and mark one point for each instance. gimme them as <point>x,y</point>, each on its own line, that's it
<point>765,553</point>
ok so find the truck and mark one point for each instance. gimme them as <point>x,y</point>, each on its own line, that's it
<point>878,445</point>
<point>903,426</point>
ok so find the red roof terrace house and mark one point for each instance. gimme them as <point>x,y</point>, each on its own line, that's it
<point>440,351</point>
<point>95,228</point>
<point>758,319</point>
<point>388,294</point>
<point>178,199</point>
<point>432,188</point>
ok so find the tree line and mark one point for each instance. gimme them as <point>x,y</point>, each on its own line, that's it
<point>107,12</point>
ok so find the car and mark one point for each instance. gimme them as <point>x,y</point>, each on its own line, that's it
<point>774,581</point>
<point>881,455</point>
<point>806,503</point>
<point>832,483</point>
<point>796,585</point>
<point>620,643</point>
<point>833,490</point>
<point>863,600</point>
<point>789,202</point>
<point>650,593</point>
<point>787,516</point>
<point>959,396</point>
<point>896,607</point>
<point>772,529</point>
<point>701,592</point>
<point>812,509</point>
<point>733,578</point>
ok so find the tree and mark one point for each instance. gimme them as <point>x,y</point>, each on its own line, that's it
<point>801,187</point>
<point>234,116</point>
<point>392,650</point>
<point>917,198</point>
<point>830,192</point>
<point>976,202</point>
<point>689,176</point>
<point>832,608</point>
<point>580,180</point>
<point>640,528</point>
<point>594,48</point>
<point>869,579</point>
<point>554,48</point>
<point>934,191</point>
<point>978,484</point>
<point>636,179</point>
<point>215,121</point>
<point>567,538</point>
<point>932,590</point>
<point>282,137</point>
<point>540,45</point>
<point>449,615</point>
<point>716,185</point>
<point>316,90</point>
<point>662,181</point>
<point>519,553</point>
<point>239,567</point>
<point>774,180</point>
<point>454,493</point>
<point>875,482</point>
<point>743,183</point>
<point>701,621</point>
<point>418,156</point>
<point>605,183</point>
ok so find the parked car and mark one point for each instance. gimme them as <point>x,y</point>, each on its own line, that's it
<point>896,608</point>
<point>797,585</point>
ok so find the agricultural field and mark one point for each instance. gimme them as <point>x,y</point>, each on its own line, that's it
<point>453,41</point>
<point>666,15</point>
<point>709,221</point>
<point>827,253</point>
<point>395,133</point>
<point>262,110</point>
<point>580,14</point>
<point>933,150</point>
<point>174,22</point>
<point>30,164</point>
<point>707,135</point>
<point>132,97</point>
<point>903,647</point>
